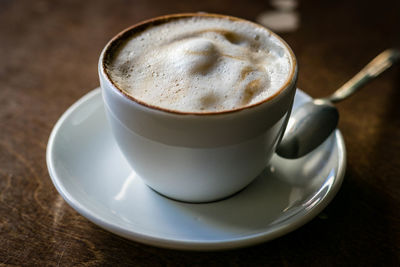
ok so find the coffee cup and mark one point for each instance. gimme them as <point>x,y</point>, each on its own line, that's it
<point>188,146</point>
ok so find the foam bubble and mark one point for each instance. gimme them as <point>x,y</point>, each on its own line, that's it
<point>201,64</point>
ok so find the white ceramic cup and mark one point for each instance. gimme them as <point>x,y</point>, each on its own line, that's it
<point>190,156</point>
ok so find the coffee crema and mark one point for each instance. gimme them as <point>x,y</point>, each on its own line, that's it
<point>200,64</point>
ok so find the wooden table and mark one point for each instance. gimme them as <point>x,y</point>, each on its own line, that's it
<point>49,52</point>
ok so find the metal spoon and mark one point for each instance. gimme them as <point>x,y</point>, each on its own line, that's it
<point>313,122</point>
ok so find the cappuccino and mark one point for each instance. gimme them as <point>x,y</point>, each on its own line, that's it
<point>200,64</point>
<point>171,88</point>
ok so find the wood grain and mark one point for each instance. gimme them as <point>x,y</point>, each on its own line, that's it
<point>49,52</point>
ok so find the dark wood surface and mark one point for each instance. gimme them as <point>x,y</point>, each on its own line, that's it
<point>49,52</point>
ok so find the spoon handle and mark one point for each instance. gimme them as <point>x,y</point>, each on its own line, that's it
<point>378,65</point>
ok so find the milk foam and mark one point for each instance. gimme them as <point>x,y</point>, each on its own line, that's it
<point>201,64</point>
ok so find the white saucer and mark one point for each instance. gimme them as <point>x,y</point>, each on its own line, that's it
<point>91,174</point>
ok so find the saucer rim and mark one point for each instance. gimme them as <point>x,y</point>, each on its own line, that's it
<point>190,244</point>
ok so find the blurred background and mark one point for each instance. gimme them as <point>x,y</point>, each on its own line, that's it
<point>49,52</point>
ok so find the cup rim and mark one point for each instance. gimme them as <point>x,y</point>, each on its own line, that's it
<point>141,26</point>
